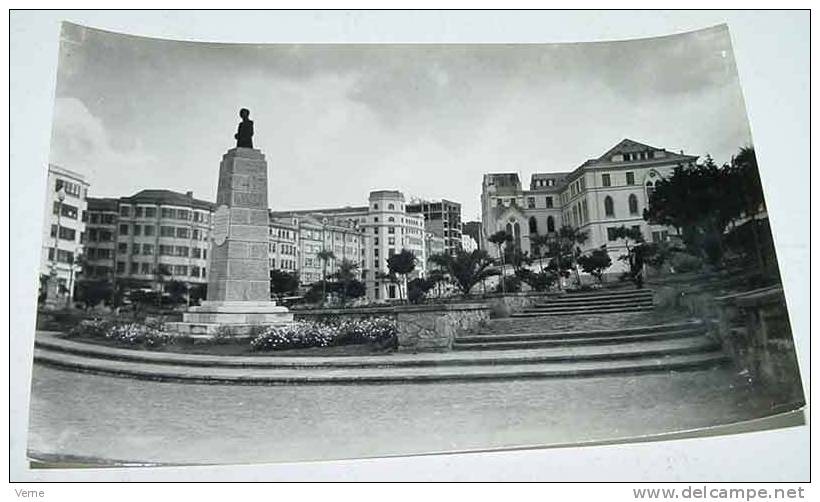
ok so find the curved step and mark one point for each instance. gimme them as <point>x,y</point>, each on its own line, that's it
<point>274,376</point>
<point>681,330</point>
<point>571,342</point>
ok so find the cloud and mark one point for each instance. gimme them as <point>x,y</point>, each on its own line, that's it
<point>80,142</point>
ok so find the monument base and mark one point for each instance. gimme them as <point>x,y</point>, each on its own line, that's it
<point>239,316</point>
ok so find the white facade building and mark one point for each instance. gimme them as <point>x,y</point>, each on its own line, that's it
<point>63,226</point>
<point>599,196</point>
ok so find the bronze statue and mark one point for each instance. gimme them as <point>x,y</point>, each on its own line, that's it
<point>244,134</point>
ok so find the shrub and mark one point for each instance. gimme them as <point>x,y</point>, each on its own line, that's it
<point>684,262</point>
<point>512,284</point>
<point>97,328</point>
<point>418,288</point>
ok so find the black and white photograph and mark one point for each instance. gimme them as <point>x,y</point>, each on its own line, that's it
<point>284,252</point>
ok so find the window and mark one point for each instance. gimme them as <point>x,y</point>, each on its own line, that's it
<point>120,267</point>
<point>196,253</point>
<point>630,178</point>
<point>150,212</point>
<point>391,291</point>
<point>66,234</point>
<point>610,234</point>
<point>106,236</point>
<point>149,230</point>
<point>499,202</point>
<point>633,204</point>
<point>194,271</point>
<point>181,250</point>
<point>68,211</point>
<point>138,211</point>
<point>145,268</point>
<point>122,247</point>
<point>550,224</point>
<point>391,230</point>
<point>167,212</point>
<point>375,206</point>
<point>72,189</point>
<point>531,202</point>
<point>93,235</point>
<point>533,225</point>
<point>95,218</point>
<point>180,270</point>
<point>391,219</point>
<point>166,250</point>
<point>125,211</point>
<point>135,267</point>
<point>123,229</point>
<point>549,202</point>
<point>391,241</point>
<point>605,180</point>
<point>391,207</point>
<point>147,249</point>
<point>183,214</point>
<point>182,233</point>
<point>609,207</point>
<point>167,231</point>
<point>650,188</point>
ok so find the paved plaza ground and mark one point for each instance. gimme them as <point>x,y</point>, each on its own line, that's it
<point>101,418</point>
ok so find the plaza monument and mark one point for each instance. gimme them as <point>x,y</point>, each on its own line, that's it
<point>238,278</point>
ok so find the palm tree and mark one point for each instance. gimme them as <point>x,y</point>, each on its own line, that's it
<point>346,274</point>
<point>325,255</point>
<point>464,268</point>
<point>160,273</point>
<point>500,239</point>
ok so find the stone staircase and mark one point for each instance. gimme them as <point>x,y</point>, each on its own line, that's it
<point>606,302</point>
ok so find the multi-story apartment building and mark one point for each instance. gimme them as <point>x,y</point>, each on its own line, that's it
<point>442,218</point>
<point>284,244</point>
<point>101,240</point>
<point>159,235</point>
<point>64,228</point>
<point>599,196</point>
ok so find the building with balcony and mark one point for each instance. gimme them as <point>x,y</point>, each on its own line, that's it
<point>156,236</point>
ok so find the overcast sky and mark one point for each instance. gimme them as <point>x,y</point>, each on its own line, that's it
<point>336,121</point>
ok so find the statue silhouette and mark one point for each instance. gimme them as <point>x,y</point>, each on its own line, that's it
<point>244,133</point>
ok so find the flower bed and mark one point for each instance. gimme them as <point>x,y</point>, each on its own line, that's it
<point>377,332</point>
<point>124,333</point>
<point>302,334</point>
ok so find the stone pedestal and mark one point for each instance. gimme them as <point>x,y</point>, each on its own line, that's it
<point>238,274</point>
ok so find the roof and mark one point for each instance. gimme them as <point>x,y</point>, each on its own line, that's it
<point>168,197</point>
<point>335,210</point>
<point>68,173</point>
<point>627,145</point>
<point>102,204</point>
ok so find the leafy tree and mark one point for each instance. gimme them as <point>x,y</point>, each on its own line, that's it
<point>403,264</point>
<point>283,283</point>
<point>92,292</point>
<point>466,269</point>
<point>177,290</point>
<point>635,253</point>
<point>567,246</point>
<point>346,285</point>
<point>501,239</point>
<point>540,245</point>
<point>595,263</point>
<point>160,273</point>
<point>418,288</point>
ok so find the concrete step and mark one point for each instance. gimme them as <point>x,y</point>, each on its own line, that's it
<point>563,368</point>
<point>626,293</point>
<point>556,342</point>
<point>588,306</point>
<point>608,310</point>
<point>694,327</point>
<point>616,301</point>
